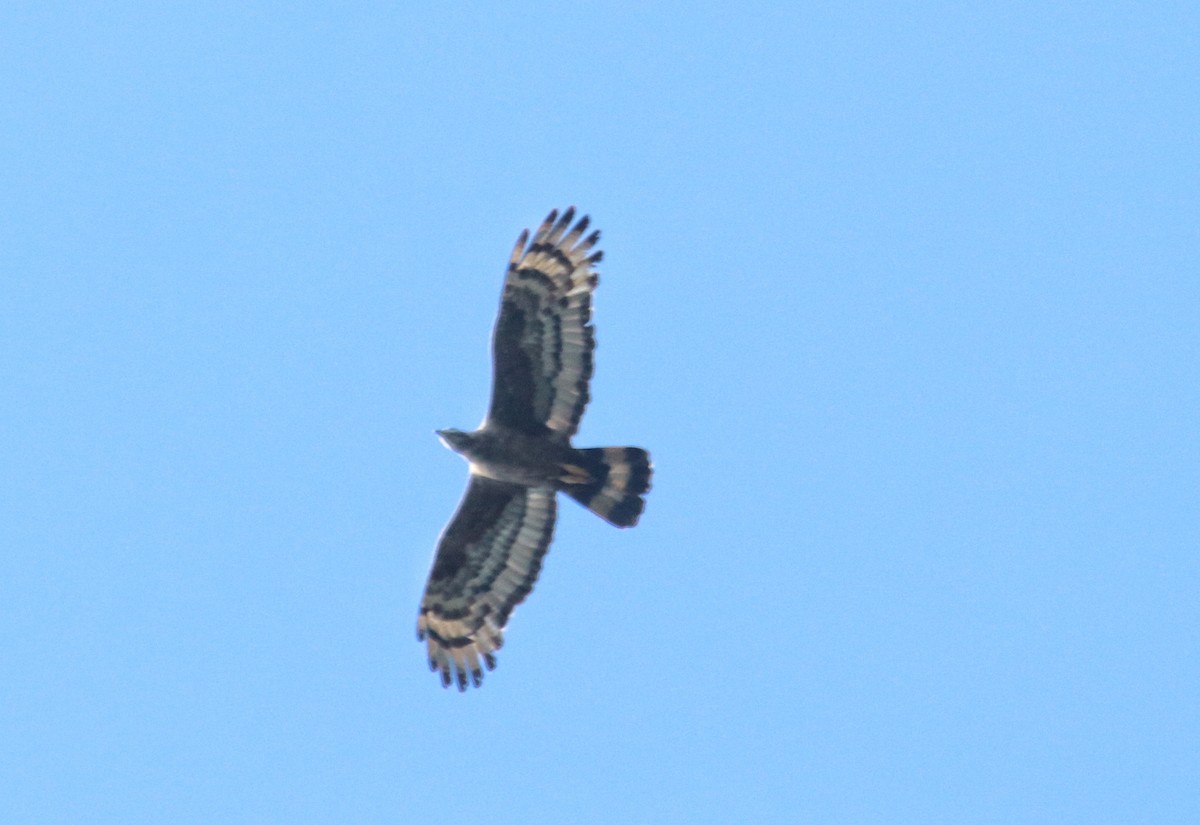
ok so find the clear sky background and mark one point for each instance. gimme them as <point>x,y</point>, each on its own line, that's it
<point>904,300</point>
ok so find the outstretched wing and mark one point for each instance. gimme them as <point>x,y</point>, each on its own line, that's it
<point>542,346</point>
<point>487,561</point>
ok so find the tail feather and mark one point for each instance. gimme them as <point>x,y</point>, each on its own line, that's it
<point>609,481</point>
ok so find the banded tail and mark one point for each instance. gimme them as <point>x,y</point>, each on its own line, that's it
<point>609,481</point>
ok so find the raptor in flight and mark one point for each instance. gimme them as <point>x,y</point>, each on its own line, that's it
<point>490,553</point>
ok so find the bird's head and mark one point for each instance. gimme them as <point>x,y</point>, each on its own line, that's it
<point>456,440</point>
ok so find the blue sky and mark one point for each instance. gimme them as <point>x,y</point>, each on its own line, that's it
<point>903,299</point>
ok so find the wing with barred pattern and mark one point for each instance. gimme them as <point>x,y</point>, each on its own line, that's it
<point>543,342</point>
<point>487,560</point>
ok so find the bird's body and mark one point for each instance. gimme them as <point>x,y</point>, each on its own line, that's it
<point>504,455</point>
<point>521,456</point>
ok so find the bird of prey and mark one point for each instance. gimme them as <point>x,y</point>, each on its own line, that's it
<point>490,553</point>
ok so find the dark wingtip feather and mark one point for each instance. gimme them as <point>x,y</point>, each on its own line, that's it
<point>560,227</point>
